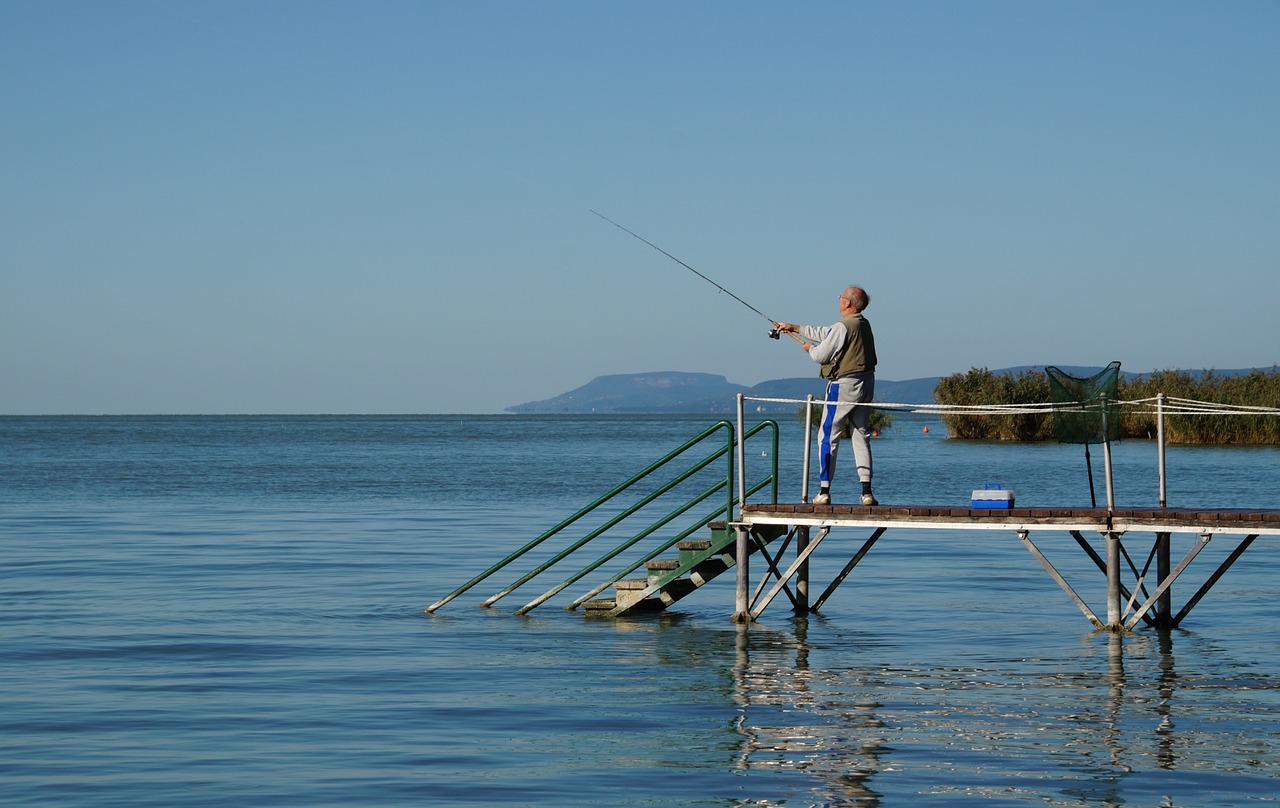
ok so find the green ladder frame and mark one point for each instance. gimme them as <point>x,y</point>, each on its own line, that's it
<point>687,452</point>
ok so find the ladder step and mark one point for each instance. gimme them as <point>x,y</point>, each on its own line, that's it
<point>631,584</point>
<point>662,564</point>
<point>627,595</point>
<point>692,548</point>
<point>627,598</point>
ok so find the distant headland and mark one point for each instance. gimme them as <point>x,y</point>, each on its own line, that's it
<point>677,392</point>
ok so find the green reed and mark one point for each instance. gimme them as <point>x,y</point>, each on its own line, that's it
<point>1259,388</point>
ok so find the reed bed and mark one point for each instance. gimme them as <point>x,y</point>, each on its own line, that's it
<point>1215,417</point>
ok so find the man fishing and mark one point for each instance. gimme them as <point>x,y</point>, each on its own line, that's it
<point>847,353</point>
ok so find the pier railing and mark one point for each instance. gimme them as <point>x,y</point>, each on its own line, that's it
<point>1160,407</point>
<point>1125,606</point>
<point>688,461</point>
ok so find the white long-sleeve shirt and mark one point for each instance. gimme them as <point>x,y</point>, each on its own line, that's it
<point>827,340</point>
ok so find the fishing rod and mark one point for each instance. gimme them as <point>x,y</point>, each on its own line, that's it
<point>773,332</point>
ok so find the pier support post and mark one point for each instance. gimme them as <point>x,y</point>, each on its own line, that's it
<point>1114,619</point>
<point>742,592</point>
<point>802,574</point>
<point>1163,617</point>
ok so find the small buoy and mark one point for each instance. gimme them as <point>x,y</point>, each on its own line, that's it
<point>875,434</point>
<point>926,429</point>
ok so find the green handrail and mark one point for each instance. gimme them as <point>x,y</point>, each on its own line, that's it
<point>725,510</point>
<point>580,543</point>
<point>725,451</point>
<point>686,533</point>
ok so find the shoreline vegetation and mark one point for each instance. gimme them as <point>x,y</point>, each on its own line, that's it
<point>980,387</point>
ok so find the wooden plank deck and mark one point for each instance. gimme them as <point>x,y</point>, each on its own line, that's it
<point>1261,521</point>
<point>1124,607</point>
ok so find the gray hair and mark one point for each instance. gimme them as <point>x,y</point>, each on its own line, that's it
<point>857,296</point>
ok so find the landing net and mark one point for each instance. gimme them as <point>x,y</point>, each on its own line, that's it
<point>1096,416</point>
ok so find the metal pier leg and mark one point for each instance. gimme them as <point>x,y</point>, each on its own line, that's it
<point>1164,605</point>
<point>1025,537</point>
<point>848,568</point>
<point>1101,563</point>
<point>741,610</point>
<point>802,574</point>
<point>786,576</point>
<point>1114,619</point>
<point>1213,579</point>
<point>772,562</point>
<point>1182,565</point>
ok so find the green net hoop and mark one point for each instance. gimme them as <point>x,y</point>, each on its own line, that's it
<point>1096,418</point>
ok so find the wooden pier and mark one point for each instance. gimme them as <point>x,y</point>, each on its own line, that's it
<point>811,524</point>
<point>674,564</point>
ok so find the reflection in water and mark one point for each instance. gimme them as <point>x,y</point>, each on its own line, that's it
<point>838,741</point>
<point>1089,729</point>
<point>1165,686</point>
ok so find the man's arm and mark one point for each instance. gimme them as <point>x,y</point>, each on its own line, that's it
<point>830,340</point>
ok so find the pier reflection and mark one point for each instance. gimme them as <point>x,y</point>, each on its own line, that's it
<point>1118,728</point>
<point>1073,730</point>
<point>790,718</point>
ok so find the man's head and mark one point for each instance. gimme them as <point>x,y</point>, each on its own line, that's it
<point>854,299</point>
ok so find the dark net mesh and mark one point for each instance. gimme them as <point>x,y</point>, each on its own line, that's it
<point>1097,418</point>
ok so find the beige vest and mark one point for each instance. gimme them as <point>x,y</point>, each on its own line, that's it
<point>859,352</point>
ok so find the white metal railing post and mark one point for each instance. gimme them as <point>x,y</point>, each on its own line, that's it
<point>808,447</point>
<point>742,588</point>
<point>1164,604</point>
<point>1160,445</point>
<point>1106,458</point>
<point>740,455</point>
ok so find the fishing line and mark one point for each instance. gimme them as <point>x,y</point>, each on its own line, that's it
<point>773,333</point>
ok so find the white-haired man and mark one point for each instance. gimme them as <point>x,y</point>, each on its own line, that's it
<point>846,351</point>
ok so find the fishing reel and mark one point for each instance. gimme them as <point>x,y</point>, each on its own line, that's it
<point>773,334</point>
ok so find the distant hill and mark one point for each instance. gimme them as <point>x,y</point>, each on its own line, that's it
<point>679,392</point>
<point>668,391</point>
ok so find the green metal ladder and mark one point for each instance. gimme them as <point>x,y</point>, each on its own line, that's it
<point>665,581</point>
<point>668,580</point>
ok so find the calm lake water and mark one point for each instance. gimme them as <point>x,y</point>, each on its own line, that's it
<point>228,610</point>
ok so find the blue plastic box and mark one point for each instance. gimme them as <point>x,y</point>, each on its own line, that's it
<point>992,495</point>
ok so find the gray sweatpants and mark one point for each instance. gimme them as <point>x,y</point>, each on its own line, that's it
<point>845,417</point>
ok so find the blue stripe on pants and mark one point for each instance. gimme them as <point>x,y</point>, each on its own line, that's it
<point>844,415</point>
<point>826,459</point>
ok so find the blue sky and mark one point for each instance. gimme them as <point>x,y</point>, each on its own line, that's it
<point>384,207</point>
